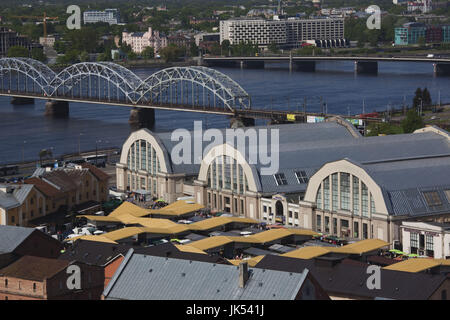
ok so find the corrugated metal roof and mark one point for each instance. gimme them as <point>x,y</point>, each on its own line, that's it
<point>17,197</point>
<point>143,277</point>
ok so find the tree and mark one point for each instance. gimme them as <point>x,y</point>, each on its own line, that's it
<point>84,56</point>
<point>226,47</point>
<point>148,53</point>
<point>412,122</point>
<point>426,98</point>
<point>193,49</point>
<point>375,129</point>
<point>45,154</point>
<point>417,98</point>
<point>18,52</point>
<point>132,56</point>
<point>421,41</point>
<point>171,53</point>
<point>273,48</point>
<point>38,54</point>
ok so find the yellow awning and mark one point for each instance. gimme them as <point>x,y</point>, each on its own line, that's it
<point>307,252</point>
<point>417,264</point>
<point>188,248</point>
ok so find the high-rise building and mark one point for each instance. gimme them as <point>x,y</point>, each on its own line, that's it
<point>111,16</point>
<point>291,32</point>
<point>10,38</point>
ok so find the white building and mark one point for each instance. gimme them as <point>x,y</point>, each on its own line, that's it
<point>426,238</point>
<point>141,40</point>
<point>111,16</point>
<point>422,5</point>
<point>291,32</point>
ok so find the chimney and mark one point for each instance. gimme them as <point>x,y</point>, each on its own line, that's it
<point>243,274</point>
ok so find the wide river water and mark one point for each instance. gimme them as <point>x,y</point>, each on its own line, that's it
<point>24,130</point>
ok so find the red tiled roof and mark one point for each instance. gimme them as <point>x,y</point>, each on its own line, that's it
<point>98,173</point>
<point>34,268</point>
<point>44,187</point>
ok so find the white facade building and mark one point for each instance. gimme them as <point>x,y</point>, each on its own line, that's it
<point>290,32</point>
<point>111,16</point>
<point>426,238</point>
<point>141,40</point>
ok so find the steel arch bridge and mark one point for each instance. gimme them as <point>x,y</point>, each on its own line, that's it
<point>182,88</point>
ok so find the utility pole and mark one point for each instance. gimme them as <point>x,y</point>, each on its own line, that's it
<point>23,152</point>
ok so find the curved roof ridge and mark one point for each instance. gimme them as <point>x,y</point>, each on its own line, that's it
<point>350,127</point>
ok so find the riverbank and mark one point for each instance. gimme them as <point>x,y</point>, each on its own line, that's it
<point>29,166</point>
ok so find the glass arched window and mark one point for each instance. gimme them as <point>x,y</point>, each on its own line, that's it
<point>334,191</point>
<point>346,192</point>
<point>142,156</point>
<point>326,193</point>
<point>364,200</point>
<point>225,173</point>
<point>319,198</point>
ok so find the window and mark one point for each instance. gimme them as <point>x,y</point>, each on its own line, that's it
<point>265,209</point>
<point>414,240</point>
<point>319,222</point>
<point>6,283</point>
<point>319,198</point>
<point>334,190</point>
<point>301,176</point>
<point>34,287</point>
<point>365,231</point>
<point>356,229</point>
<point>429,246</point>
<point>327,224</point>
<point>345,191</point>
<point>364,200</point>
<point>326,193</point>
<point>334,225</point>
<point>372,205</point>
<point>432,198</point>
<point>280,179</point>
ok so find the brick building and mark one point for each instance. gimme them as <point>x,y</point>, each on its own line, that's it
<point>36,278</point>
<point>16,242</point>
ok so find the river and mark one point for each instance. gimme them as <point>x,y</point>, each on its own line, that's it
<point>24,130</point>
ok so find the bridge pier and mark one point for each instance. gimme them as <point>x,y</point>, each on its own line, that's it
<point>251,64</point>
<point>441,69</point>
<point>241,122</point>
<point>142,118</point>
<point>17,101</point>
<point>223,63</point>
<point>370,67</point>
<point>305,66</point>
<point>59,109</point>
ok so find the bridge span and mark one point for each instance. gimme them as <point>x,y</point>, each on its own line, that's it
<point>192,89</point>
<point>441,66</point>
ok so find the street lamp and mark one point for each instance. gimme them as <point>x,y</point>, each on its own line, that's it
<point>23,151</point>
<point>79,148</point>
